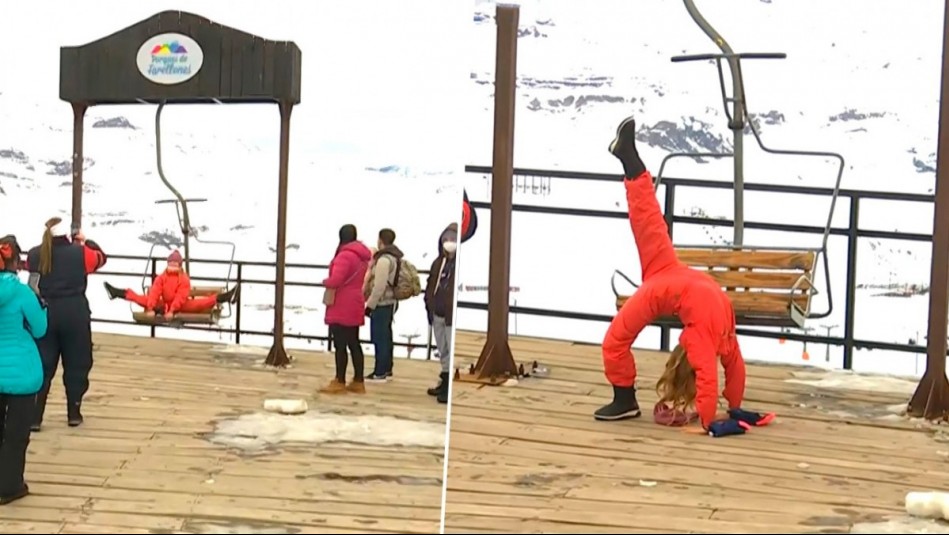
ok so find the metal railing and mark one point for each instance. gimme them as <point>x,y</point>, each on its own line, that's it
<point>238,330</point>
<point>851,231</point>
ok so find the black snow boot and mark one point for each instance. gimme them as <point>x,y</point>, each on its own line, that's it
<point>624,148</point>
<point>442,395</point>
<point>433,391</point>
<point>624,405</point>
<point>114,293</point>
<point>229,296</point>
<point>39,410</point>
<point>10,498</point>
<point>74,414</point>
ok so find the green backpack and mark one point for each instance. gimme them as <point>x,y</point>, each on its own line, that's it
<point>407,282</point>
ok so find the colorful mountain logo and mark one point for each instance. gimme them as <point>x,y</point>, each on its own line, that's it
<point>168,48</point>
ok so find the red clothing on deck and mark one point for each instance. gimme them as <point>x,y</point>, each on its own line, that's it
<point>671,287</point>
<point>172,291</point>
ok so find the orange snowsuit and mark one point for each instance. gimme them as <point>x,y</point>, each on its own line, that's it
<point>670,287</point>
<point>171,291</point>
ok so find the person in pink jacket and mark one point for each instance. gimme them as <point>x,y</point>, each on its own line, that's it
<point>345,309</point>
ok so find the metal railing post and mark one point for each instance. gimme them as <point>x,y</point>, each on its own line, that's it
<point>154,274</point>
<point>665,333</point>
<point>853,238</point>
<point>237,313</point>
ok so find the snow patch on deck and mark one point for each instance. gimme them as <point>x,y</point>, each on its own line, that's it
<point>241,355</point>
<point>848,380</point>
<point>258,431</point>
<point>903,524</point>
<point>255,528</point>
<point>238,350</point>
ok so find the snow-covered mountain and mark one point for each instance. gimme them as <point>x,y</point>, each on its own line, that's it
<point>368,143</point>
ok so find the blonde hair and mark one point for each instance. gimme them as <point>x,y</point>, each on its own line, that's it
<point>46,246</point>
<point>676,385</point>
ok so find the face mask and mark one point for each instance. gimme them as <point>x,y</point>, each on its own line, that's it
<point>450,246</point>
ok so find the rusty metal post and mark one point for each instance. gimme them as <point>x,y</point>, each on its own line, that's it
<point>78,126</point>
<point>931,399</point>
<point>496,361</point>
<point>278,354</point>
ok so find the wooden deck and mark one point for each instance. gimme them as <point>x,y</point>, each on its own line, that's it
<point>531,459</point>
<point>142,463</point>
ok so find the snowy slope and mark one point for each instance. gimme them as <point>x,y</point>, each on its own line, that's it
<point>368,144</point>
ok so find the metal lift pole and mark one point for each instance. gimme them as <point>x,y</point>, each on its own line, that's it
<point>185,220</point>
<point>737,122</point>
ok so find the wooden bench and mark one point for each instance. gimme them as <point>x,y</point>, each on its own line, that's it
<point>208,318</point>
<point>766,287</point>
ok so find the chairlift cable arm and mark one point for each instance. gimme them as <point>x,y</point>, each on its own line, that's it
<point>737,121</point>
<point>184,220</point>
<point>841,163</point>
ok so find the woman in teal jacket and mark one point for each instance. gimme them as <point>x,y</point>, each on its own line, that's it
<point>22,319</point>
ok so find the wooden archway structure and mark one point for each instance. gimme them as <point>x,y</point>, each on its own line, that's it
<point>176,57</point>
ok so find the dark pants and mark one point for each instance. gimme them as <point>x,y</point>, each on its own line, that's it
<point>347,338</point>
<point>16,417</point>
<point>380,332</point>
<point>68,336</point>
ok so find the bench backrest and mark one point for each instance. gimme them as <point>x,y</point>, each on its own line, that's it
<point>757,281</point>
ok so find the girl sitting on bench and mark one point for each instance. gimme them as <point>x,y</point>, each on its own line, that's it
<point>171,293</point>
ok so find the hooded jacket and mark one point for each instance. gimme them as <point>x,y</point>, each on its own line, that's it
<point>440,288</point>
<point>346,275</point>
<point>380,286</point>
<point>22,319</point>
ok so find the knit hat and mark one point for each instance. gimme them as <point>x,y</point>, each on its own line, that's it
<point>174,257</point>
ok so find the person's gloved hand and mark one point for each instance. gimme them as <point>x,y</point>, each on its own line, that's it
<point>752,418</point>
<point>723,428</point>
<point>368,312</point>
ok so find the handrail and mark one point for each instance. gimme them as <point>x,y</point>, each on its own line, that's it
<point>851,230</point>
<point>237,330</point>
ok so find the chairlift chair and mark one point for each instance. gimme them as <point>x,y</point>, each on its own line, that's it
<point>768,286</point>
<point>188,231</point>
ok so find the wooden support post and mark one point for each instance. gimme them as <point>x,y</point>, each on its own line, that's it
<point>278,354</point>
<point>931,399</point>
<point>496,362</point>
<point>78,127</point>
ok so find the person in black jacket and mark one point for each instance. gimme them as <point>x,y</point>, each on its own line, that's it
<point>440,305</point>
<point>59,270</point>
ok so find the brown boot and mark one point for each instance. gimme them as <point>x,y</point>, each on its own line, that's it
<point>334,387</point>
<point>357,387</point>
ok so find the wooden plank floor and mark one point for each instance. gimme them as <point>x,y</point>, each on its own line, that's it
<point>531,459</point>
<point>141,463</point>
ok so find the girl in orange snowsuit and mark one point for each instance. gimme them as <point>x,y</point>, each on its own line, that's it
<point>669,287</point>
<point>170,293</point>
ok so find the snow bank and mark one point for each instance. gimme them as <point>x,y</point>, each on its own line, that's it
<point>847,380</point>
